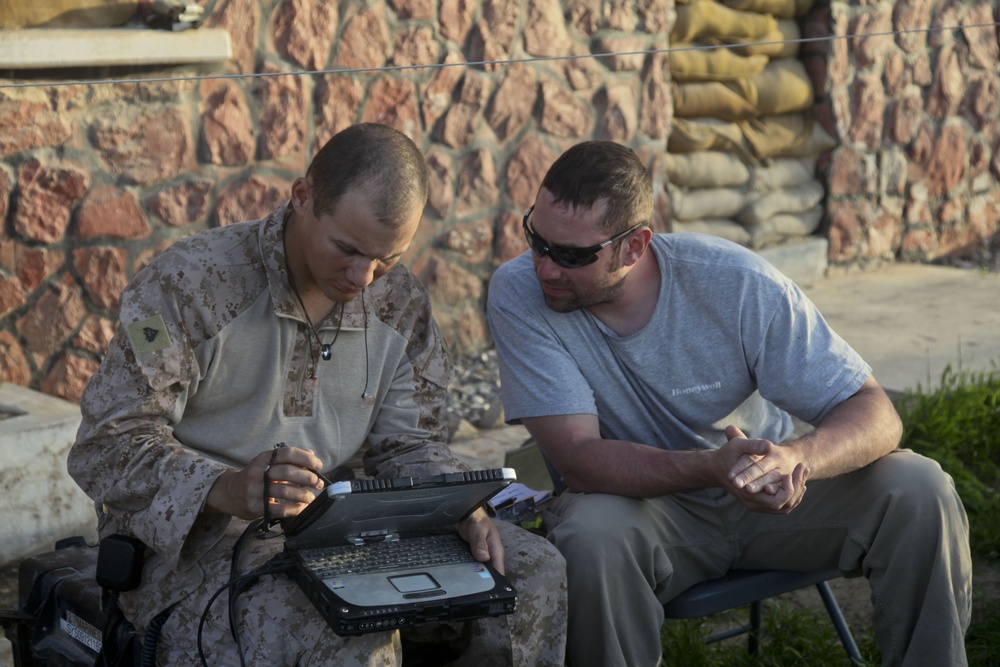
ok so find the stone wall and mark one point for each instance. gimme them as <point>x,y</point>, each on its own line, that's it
<point>916,174</point>
<point>96,179</point>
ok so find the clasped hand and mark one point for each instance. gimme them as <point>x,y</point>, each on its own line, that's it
<point>764,476</point>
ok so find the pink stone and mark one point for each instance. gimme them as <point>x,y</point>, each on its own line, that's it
<point>250,199</point>
<point>53,318</point>
<point>27,121</point>
<point>393,102</point>
<point>304,31</point>
<point>182,204</point>
<point>845,177</point>
<point>911,18</point>
<point>69,377</point>
<point>545,30</point>
<point>415,46</point>
<point>111,212</point>
<point>895,74</point>
<point>95,335</point>
<point>656,101</point>
<point>845,231</point>
<point>47,195</point>
<point>455,18</point>
<point>14,366</point>
<point>627,53</point>
<point>227,133</point>
<point>585,15</point>
<point>471,240</point>
<point>618,119</point>
<point>984,51</point>
<point>414,9</point>
<point>948,161</point>
<point>241,19</point>
<point>12,294</point>
<point>364,42</point>
<point>436,95</point>
<point>508,239</point>
<point>867,110</point>
<point>493,35</point>
<point>441,181</point>
<point>36,265</point>
<point>462,119</point>
<point>871,38</point>
<point>904,117</point>
<point>563,115</point>
<point>620,15</point>
<point>949,84</point>
<point>102,272</point>
<point>144,144</point>
<point>654,16</point>
<point>282,103</point>
<point>477,183</point>
<point>338,103</point>
<point>983,99</point>
<point>526,168</point>
<point>515,98</point>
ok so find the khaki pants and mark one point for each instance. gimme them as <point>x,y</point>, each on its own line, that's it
<point>899,522</point>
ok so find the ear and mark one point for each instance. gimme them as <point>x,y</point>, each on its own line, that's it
<point>302,196</point>
<point>635,247</point>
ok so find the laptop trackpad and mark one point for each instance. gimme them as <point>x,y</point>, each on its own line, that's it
<point>416,586</point>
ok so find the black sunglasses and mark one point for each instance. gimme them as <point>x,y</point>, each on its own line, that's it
<point>568,258</point>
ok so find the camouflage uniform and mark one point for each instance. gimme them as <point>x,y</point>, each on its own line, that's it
<point>213,353</point>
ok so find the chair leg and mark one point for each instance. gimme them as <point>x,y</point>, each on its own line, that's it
<point>753,638</point>
<point>833,609</point>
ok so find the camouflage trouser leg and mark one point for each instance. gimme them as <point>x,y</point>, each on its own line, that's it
<point>277,625</point>
<point>535,634</point>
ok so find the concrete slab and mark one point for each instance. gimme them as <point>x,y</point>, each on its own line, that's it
<point>909,321</point>
<point>40,502</point>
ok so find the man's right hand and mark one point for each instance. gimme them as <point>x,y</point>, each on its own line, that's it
<point>240,493</point>
<point>761,474</point>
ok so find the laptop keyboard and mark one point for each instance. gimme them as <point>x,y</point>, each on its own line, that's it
<point>403,554</point>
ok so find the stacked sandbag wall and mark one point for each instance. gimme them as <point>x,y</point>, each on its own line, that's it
<point>744,142</point>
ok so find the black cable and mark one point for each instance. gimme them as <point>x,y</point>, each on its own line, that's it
<point>276,565</point>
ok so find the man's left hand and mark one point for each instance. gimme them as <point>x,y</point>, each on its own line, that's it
<point>484,540</point>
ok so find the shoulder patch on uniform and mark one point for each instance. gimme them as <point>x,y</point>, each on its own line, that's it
<point>149,335</point>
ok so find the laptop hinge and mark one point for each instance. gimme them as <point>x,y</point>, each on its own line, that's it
<point>373,536</point>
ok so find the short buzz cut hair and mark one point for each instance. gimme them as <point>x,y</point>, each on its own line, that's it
<point>383,160</point>
<point>596,171</point>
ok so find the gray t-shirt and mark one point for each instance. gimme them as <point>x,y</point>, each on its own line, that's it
<point>732,341</point>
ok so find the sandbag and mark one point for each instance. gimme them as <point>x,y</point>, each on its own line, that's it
<point>783,87</point>
<point>66,13</point>
<point>725,229</point>
<point>782,172</point>
<point>688,135</point>
<point>796,199</point>
<point>711,98</point>
<point>784,226</point>
<point>716,64</point>
<point>782,43</point>
<point>707,18</point>
<point>703,203</point>
<point>787,135</point>
<point>777,8</point>
<point>706,169</point>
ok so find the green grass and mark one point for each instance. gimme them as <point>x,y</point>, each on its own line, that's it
<point>956,424</point>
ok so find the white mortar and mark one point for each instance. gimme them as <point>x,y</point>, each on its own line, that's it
<point>39,502</point>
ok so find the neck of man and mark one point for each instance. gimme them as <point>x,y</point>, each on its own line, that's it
<point>634,307</point>
<point>301,280</point>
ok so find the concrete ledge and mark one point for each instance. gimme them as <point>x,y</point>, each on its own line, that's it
<point>47,48</point>
<point>40,502</point>
<point>803,260</point>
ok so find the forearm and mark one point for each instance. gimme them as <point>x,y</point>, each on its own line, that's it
<point>589,463</point>
<point>857,432</point>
